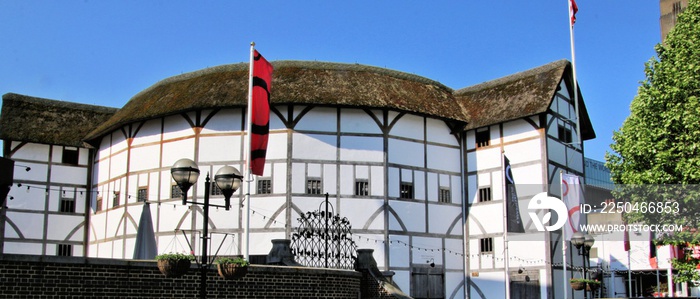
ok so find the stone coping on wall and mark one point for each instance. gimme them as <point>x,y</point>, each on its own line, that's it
<point>152,264</point>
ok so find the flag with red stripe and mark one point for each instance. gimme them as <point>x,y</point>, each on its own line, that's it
<point>573,9</point>
<point>260,112</point>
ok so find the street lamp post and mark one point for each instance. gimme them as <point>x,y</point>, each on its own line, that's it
<point>185,173</point>
<point>583,242</point>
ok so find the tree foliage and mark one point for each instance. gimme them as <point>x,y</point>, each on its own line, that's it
<point>659,142</point>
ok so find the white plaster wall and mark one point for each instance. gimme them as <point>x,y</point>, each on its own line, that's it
<point>437,131</point>
<point>38,172</point>
<point>443,158</point>
<point>226,120</point>
<point>359,212</point>
<point>276,146</point>
<point>68,174</point>
<point>412,214</point>
<point>144,158</point>
<point>406,152</point>
<point>399,253</point>
<point>409,126</point>
<point>148,133</point>
<point>177,126</point>
<point>490,284</point>
<point>524,151</point>
<point>279,182</point>
<point>330,173</point>
<point>442,216</point>
<point>486,158</point>
<point>361,149</point>
<point>31,225</point>
<point>22,248</point>
<point>59,226</point>
<point>358,121</point>
<point>176,150</point>
<point>220,148</point>
<point>31,151</point>
<point>314,146</point>
<point>319,119</point>
<point>25,199</point>
<point>376,183</point>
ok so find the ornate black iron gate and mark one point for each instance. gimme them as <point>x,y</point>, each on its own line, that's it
<point>323,239</point>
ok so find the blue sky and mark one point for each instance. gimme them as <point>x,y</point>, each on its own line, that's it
<point>104,52</point>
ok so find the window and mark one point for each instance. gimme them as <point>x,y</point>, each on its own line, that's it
<point>676,9</point>
<point>142,194</point>
<point>64,250</point>
<point>484,194</point>
<point>214,189</point>
<point>313,186</point>
<point>444,195</point>
<point>406,190</point>
<point>564,134</point>
<point>361,188</point>
<point>264,186</point>
<point>115,200</point>
<point>175,191</point>
<point>70,155</point>
<point>483,137</point>
<point>485,245</point>
<point>98,204</point>
<point>67,205</point>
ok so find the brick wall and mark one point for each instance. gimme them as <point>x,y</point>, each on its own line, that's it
<point>24,276</point>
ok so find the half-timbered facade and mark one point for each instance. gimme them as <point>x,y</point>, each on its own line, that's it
<point>404,158</point>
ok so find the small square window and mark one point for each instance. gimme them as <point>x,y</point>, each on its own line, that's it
<point>485,245</point>
<point>406,190</point>
<point>564,134</point>
<point>98,204</point>
<point>70,156</point>
<point>484,194</point>
<point>313,186</point>
<point>64,250</point>
<point>264,186</point>
<point>115,199</point>
<point>483,137</point>
<point>445,195</point>
<point>142,194</point>
<point>175,191</point>
<point>67,205</point>
<point>362,188</point>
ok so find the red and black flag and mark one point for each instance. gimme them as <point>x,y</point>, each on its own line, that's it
<point>260,112</point>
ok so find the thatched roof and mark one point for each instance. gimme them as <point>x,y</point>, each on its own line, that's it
<point>297,82</point>
<point>31,119</point>
<point>519,95</point>
<point>307,83</point>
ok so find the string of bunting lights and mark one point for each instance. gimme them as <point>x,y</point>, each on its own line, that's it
<point>361,238</point>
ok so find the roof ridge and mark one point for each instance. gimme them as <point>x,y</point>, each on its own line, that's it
<point>512,77</point>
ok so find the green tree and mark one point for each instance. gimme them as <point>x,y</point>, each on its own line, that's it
<point>659,142</point>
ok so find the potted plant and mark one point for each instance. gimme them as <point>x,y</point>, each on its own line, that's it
<point>592,285</point>
<point>580,283</point>
<point>174,265</point>
<point>232,268</point>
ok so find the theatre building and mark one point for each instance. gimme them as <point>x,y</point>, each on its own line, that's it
<point>415,166</point>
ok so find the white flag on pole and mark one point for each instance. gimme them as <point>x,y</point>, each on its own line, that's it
<point>571,194</point>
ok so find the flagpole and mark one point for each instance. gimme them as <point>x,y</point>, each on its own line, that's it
<point>629,272</point>
<point>573,69</point>
<point>247,153</point>
<point>505,227</point>
<point>563,243</point>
